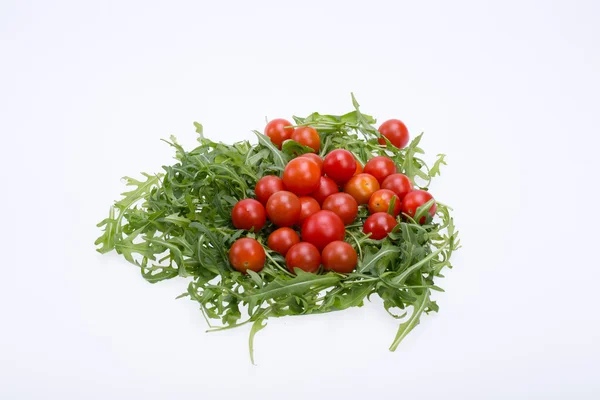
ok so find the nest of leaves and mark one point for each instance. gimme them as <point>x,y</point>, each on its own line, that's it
<point>178,224</point>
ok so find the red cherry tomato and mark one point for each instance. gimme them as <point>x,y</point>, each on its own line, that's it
<point>301,176</point>
<point>339,165</point>
<point>379,225</point>
<point>307,136</point>
<point>395,131</point>
<point>308,206</point>
<point>399,184</point>
<point>340,257</point>
<point>283,208</point>
<point>380,202</point>
<point>359,168</point>
<point>361,187</point>
<point>380,167</point>
<point>415,199</point>
<point>322,228</point>
<point>278,133</point>
<point>247,254</point>
<point>248,214</point>
<point>282,239</point>
<point>304,256</point>
<point>326,188</point>
<point>315,158</point>
<point>266,186</point>
<point>343,205</point>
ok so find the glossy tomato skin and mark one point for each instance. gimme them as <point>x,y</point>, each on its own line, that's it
<point>339,165</point>
<point>340,257</point>
<point>395,131</point>
<point>247,254</point>
<point>316,158</point>
<point>248,214</point>
<point>308,206</point>
<point>301,176</point>
<point>307,136</point>
<point>282,239</point>
<point>304,256</point>
<point>379,225</point>
<point>283,208</point>
<point>361,187</point>
<point>326,188</point>
<point>322,228</point>
<point>266,186</point>
<point>380,202</point>
<point>399,184</point>
<point>415,199</point>
<point>359,168</point>
<point>278,133</point>
<point>380,167</point>
<point>343,205</point>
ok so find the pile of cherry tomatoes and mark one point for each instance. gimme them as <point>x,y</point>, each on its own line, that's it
<point>320,197</point>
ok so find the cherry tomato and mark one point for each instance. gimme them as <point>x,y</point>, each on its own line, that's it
<point>308,206</point>
<point>301,176</point>
<point>380,202</point>
<point>380,167</point>
<point>278,133</point>
<point>343,205</point>
<point>282,239</point>
<point>339,165</point>
<point>379,225</point>
<point>322,228</point>
<point>326,188</point>
<point>359,168</point>
<point>315,158</point>
<point>266,186</point>
<point>361,187</point>
<point>340,257</point>
<point>248,214</point>
<point>283,208</point>
<point>304,256</point>
<point>399,184</point>
<point>307,136</point>
<point>395,131</point>
<point>247,254</point>
<point>415,199</point>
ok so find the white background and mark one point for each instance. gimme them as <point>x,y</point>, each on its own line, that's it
<point>510,91</point>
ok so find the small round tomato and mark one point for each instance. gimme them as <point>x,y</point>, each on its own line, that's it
<point>266,186</point>
<point>279,130</point>
<point>282,239</point>
<point>343,205</point>
<point>316,158</point>
<point>301,176</point>
<point>380,167</point>
<point>399,184</point>
<point>283,208</point>
<point>379,225</point>
<point>248,214</point>
<point>380,202</point>
<point>395,131</point>
<point>308,206</point>
<point>340,257</point>
<point>247,254</point>
<point>359,168</point>
<point>307,136</point>
<point>326,188</point>
<point>303,255</point>
<point>415,199</point>
<point>339,165</point>
<point>322,228</point>
<point>361,187</point>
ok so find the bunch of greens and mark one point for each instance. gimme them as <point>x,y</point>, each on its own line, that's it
<point>178,224</point>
